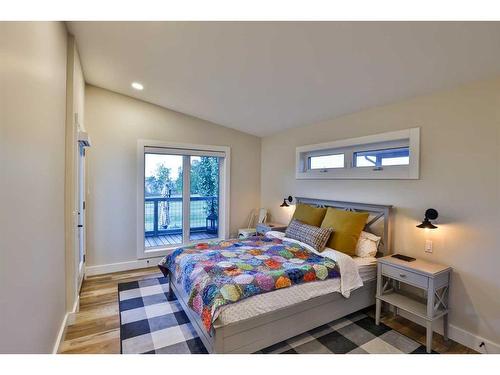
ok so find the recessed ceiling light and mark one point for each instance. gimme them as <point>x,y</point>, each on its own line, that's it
<point>137,86</point>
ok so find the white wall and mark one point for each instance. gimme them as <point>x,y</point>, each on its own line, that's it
<point>33,108</point>
<point>460,177</point>
<point>115,123</point>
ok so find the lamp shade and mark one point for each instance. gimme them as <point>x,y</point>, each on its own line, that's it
<point>430,214</point>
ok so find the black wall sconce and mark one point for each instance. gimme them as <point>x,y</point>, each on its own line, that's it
<point>430,214</point>
<point>285,204</point>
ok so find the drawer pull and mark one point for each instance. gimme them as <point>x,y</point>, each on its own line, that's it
<point>402,275</point>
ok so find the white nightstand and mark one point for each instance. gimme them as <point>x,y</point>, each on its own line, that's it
<point>433,278</point>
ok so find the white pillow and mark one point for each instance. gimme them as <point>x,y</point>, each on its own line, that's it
<point>275,234</point>
<point>367,245</point>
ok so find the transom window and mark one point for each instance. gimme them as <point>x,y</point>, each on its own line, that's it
<point>326,161</point>
<point>382,158</point>
<point>392,155</point>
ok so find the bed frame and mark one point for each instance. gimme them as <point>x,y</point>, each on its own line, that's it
<point>253,334</point>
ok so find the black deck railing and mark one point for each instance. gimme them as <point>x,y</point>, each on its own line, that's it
<point>163,215</point>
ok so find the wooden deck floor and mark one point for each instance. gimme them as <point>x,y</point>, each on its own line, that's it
<point>97,325</point>
<point>175,239</point>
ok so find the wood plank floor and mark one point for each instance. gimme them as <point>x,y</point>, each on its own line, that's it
<point>97,325</point>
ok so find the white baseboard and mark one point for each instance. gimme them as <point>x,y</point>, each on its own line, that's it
<point>459,335</point>
<point>69,318</point>
<point>72,314</point>
<point>60,335</point>
<point>122,266</point>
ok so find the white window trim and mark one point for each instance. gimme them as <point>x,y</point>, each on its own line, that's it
<point>365,143</point>
<point>224,193</point>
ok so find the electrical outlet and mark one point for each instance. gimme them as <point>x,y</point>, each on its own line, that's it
<point>428,246</point>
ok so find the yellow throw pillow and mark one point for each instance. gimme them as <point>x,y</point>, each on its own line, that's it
<point>347,227</point>
<point>309,214</point>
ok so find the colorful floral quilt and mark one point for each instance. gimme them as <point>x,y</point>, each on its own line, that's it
<point>219,273</point>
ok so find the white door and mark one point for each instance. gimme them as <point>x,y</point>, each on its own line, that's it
<point>81,215</point>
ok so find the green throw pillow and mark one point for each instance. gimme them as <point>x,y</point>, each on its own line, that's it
<point>309,214</point>
<point>347,227</point>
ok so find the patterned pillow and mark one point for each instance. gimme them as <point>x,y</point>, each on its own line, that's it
<point>309,234</point>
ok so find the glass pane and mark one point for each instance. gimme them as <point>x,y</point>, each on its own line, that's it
<point>381,158</point>
<point>162,200</point>
<point>326,161</point>
<point>204,200</point>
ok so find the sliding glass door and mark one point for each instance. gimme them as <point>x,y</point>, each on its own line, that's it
<point>181,196</point>
<point>204,197</point>
<point>163,192</point>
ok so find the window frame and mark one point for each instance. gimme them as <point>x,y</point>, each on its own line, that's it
<point>396,139</point>
<point>146,146</point>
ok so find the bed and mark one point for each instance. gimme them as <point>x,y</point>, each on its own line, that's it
<point>262,320</point>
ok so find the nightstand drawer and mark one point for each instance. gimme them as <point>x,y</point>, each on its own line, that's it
<point>405,276</point>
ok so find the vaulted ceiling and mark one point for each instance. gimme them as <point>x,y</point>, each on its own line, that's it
<point>264,77</point>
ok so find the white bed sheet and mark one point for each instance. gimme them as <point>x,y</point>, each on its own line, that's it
<point>266,302</point>
<point>367,268</point>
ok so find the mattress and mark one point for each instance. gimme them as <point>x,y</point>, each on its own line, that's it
<point>262,303</point>
<point>367,268</point>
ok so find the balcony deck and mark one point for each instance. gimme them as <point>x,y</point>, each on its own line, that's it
<point>163,220</point>
<point>175,239</point>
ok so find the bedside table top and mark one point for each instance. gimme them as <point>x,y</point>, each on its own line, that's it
<point>419,265</point>
<point>272,225</point>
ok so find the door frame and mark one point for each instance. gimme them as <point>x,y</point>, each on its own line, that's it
<point>80,208</point>
<point>224,192</point>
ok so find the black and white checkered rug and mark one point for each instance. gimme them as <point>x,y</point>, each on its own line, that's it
<point>149,323</point>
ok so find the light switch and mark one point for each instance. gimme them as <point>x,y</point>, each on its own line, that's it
<point>428,246</point>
